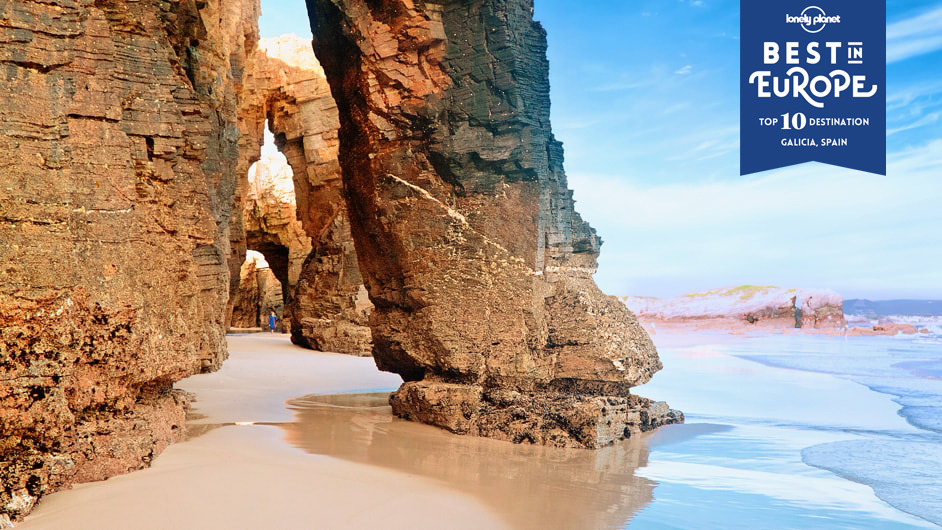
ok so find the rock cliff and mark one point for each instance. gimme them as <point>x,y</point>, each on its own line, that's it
<point>479,268</point>
<point>129,129</point>
<point>745,307</point>
<point>118,152</point>
<point>327,304</point>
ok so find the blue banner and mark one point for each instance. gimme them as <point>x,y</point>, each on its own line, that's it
<point>812,84</point>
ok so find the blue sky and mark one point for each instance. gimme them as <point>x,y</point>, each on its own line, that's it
<point>645,98</point>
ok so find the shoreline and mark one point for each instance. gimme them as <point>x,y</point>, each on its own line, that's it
<point>293,438</point>
<point>736,327</point>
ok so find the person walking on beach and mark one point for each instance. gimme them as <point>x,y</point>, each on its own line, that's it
<point>272,319</point>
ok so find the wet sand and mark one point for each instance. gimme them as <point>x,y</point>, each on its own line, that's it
<point>528,486</point>
<point>246,476</point>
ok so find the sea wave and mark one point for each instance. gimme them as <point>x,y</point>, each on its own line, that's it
<point>902,473</point>
<point>903,470</point>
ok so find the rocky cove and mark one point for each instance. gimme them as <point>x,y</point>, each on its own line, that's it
<point>432,225</point>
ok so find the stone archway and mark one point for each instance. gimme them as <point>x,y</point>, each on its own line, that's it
<point>260,293</point>
<point>277,257</point>
<point>285,88</point>
<point>478,265</point>
<point>121,225</point>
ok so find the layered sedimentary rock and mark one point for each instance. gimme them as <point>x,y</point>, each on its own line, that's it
<point>259,294</point>
<point>269,216</point>
<point>744,307</point>
<point>121,230</point>
<point>327,305</point>
<point>479,268</point>
<point>118,150</point>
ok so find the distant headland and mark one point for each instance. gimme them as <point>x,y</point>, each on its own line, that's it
<point>754,308</point>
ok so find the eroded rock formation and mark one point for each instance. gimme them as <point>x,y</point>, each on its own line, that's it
<point>122,238</point>
<point>259,293</point>
<point>479,268</point>
<point>328,307</point>
<point>271,227</point>
<point>118,150</point>
<point>747,307</point>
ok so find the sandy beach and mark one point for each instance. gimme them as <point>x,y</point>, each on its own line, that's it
<point>283,437</point>
<point>237,471</point>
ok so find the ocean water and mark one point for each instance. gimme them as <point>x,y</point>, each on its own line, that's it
<point>818,432</point>
<point>782,432</point>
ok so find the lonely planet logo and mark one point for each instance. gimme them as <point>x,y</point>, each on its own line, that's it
<point>812,19</point>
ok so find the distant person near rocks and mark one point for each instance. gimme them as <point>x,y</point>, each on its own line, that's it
<point>272,320</point>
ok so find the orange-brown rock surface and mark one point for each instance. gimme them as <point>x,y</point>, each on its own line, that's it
<point>276,237</point>
<point>327,304</point>
<point>128,129</point>
<point>259,294</point>
<point>886,328</point>
<point>118,145</point>
<point>479,269</point>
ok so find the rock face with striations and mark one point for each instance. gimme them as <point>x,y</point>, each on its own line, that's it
<point>271,227</point>
<point>479,268</point>
<point>327,304</point>
<point>259,293</point>
<point>128,131</point>
<point>118,153</point>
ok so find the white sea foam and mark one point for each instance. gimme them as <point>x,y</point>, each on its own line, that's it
<point>903,473</point>
<point>822,492</point>
<point>903,468</point>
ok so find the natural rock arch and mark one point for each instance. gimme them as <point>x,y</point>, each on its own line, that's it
<point>285,88</point>
<point>260,293</point>
<point>120,226</point>
<point>478,265</point>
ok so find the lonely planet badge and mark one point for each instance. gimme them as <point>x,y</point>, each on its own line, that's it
<point>812,84</point>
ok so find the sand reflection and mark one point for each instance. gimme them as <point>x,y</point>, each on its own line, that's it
<point>531,487</point>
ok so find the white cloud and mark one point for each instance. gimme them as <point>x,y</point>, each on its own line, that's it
<point>677,107</point>
<point>928,119</point>
<point>705,144</point>
<point>684,70</point>
<point>914,36</point>
<point>806,226</point>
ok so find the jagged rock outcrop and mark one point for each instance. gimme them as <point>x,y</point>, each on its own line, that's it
<point>259,293</point>
<point>123,148</point>
<point>118,153</point>
<point>479,268</point>
<point>744,307</point>
<point>327,305</point>
<point>269,216</point>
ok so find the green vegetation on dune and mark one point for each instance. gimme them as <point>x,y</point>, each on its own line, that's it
<point>745,292</point>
